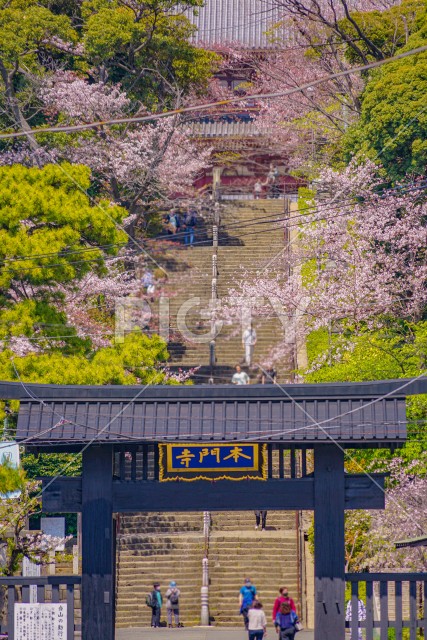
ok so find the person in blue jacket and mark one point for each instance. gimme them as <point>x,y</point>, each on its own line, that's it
<point>285,622</point>
<point>157,601</point>
<point>247,595</point>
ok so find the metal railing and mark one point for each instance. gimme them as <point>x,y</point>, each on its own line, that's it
<point>396,601</point>
<point>204,592</point>
<point>214,295</point>
<point>49,590</point>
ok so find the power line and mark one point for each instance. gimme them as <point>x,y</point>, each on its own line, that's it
<point>204,107</point>
<point>398,190</point>
<point>60,265</point>
<point>301,220</point>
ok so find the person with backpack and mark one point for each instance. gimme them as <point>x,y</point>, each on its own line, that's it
<point>156,605</point>
<point>172,604</point>
<point>247,596</point>
<point>283,597</point>
<point>286,623</point>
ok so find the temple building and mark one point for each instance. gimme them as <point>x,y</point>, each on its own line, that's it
<point>242,152</point>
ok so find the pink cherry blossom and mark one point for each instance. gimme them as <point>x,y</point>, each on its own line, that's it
<point>74,97</point>
<point>359,253</point>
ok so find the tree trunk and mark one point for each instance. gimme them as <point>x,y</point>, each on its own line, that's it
<point>15,110</point>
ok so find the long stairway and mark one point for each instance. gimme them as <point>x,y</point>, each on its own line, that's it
<point>156,547</point>
<point>159,547</point>
<point>237,551</point>
<point>243,251</point>
<point>165,547</point>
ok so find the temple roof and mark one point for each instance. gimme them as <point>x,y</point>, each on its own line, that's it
<point>236,21</point>
<point>221,128</point>
<point>354,414</point>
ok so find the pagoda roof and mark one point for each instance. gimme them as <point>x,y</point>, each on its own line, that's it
<point>243,22</point>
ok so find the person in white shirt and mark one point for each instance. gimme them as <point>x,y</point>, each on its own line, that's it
<point>240,377</point>
<point>257,190</point>
<point>257,625</point>
<point>249,339</point>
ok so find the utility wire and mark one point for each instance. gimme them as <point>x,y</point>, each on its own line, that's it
<point>259,220</point>
<point>222,232</point>
<point>204,107</point>
<point>224,236</point>
<point>273,218</point>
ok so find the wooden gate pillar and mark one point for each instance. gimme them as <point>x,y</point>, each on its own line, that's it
<point>329,556</point>
<point>98,561</point>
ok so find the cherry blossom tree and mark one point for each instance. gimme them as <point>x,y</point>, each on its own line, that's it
<point>357,255</point>
<point>305,127</point>
<point>135,165</point>
<point>18,542</point>
<point>404,517</point>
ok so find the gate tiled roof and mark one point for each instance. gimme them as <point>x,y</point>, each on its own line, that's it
<point>358,414</point>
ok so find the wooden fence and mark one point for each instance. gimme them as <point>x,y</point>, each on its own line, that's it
<point>396,601</point>
<point>50,589</point>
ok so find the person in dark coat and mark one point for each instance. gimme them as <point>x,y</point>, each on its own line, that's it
<point>156,609</point>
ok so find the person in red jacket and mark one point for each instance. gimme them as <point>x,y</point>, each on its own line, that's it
<point>284,597</point>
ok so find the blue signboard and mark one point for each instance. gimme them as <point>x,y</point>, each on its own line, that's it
<point>212,461</point>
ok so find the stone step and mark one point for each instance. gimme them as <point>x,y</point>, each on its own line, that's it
<point>250,252</point>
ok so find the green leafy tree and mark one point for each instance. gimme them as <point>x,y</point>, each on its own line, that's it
<point>397,350</point>
<point>384,31</point>
<point>139,359</point>
<point>134,361</point>
<point>11,478</point>
<point>29,32</point>
<point>393,121</point>
<point>50,464</point>
<point>357,526</point>
<point>145,46</point>
<point>51,237</point>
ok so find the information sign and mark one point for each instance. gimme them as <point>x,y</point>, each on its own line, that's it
<point>40,621</point>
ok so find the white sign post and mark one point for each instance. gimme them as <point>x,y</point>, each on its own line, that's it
<point>40,622</point>
<point>31,569</point>
<point>54,527</point>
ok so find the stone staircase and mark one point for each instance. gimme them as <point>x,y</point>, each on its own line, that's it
<point>154,547</point>
<point>164,547</point>
<point>237,551</point>
<point>242,252</point>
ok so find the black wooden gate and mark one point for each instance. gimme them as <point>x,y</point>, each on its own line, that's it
<point>395,601</point>
<point>119,430</point>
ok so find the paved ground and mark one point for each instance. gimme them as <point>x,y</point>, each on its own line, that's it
<point>196,633</point>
